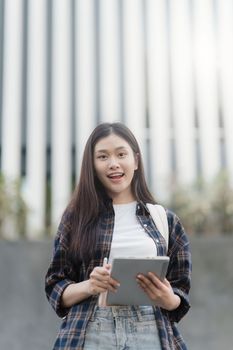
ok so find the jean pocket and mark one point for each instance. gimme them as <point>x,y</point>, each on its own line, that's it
<point>146,326</point>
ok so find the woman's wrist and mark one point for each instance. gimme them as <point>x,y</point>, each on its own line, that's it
<point>75,293</point>
<point>174,303</point>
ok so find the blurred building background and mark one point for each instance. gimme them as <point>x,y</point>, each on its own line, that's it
<point>165,69</point>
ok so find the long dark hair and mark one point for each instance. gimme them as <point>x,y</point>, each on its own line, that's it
<point>90,198</point>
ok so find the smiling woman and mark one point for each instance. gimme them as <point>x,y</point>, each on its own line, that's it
<point>115,164</point>
<point>108,217</point>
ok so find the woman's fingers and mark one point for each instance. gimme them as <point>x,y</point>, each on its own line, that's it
<point>159,291</point>
<point>155,280</point>
<point>151,281</point>
<point>99,271</point>
<point>114,283</point>
<point>94,289</point>
<point>167,283</point>
<point>100,280</point>
<point>152,285</point>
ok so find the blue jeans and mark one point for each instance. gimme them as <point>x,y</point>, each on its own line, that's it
<point>122,328</point>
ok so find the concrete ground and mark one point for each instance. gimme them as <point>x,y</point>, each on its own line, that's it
<point>28,322</point>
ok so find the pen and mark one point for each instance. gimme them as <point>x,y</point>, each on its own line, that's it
<point>103,296</point>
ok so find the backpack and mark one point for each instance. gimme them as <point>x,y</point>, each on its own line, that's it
<point>159,217</point>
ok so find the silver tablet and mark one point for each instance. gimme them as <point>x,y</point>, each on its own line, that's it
<point>125,271</point>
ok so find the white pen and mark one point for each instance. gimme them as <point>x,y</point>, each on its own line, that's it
<point>103,296</point>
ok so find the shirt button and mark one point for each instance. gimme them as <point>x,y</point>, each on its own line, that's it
<point>145,225</point>
<point>157,240</point>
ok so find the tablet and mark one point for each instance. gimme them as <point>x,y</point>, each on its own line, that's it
<point>125,271</point>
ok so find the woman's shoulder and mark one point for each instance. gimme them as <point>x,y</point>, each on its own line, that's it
<point>171,215</point>
<point>65,225</point>
<point>176,228</point>
<point>67,216</point>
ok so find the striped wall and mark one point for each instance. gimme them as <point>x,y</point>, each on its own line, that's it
<point>163,67</point>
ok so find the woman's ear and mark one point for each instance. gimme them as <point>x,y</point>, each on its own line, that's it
<point>137,157</point>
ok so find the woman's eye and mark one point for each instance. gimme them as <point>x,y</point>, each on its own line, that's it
<point>102,156</point>
<point>122,155</point>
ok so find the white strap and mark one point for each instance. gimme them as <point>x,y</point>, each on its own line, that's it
<point>159,217</point>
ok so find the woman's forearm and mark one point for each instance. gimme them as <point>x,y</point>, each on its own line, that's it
<point>75,293</point>
<point>100,281</point>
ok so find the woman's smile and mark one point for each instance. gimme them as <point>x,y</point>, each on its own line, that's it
<point>115,177</point>
<point>115,164</point>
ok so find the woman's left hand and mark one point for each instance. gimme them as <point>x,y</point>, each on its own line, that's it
<point>159,291</point>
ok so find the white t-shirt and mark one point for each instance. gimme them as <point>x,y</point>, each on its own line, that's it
<point>129,237</point>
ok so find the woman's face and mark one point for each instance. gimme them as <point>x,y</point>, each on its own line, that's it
<point>115,163</point>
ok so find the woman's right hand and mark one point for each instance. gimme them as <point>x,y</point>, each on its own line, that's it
<point>100,280</point>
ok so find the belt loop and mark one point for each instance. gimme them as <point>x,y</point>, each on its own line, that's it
<point>114,312</point>
<point>92,318</point>
<point>138,312</point>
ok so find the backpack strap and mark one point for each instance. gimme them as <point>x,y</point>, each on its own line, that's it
<point>159,217</point>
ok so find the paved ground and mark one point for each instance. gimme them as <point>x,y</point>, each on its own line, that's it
<point>28,322</point>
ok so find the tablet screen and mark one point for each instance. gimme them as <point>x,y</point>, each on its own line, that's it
<point>125,271</point>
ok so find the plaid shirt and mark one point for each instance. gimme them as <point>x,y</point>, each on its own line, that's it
<point>61,273</point>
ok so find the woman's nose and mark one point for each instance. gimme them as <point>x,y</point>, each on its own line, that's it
<point>113,163</point>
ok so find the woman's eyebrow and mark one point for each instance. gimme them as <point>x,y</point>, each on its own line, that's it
<point>106,150</point>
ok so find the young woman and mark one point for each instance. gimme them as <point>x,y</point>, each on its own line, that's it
<point>108,217</point>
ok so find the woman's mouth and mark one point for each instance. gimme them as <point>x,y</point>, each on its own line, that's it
<point>115,176</point>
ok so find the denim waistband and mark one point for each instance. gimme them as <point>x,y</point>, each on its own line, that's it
<point>123,311</point>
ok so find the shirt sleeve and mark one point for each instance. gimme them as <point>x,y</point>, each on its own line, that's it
<point>180,266</point>
<point>60,273</point>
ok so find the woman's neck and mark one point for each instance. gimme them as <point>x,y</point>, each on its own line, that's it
<point>123,199</point>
